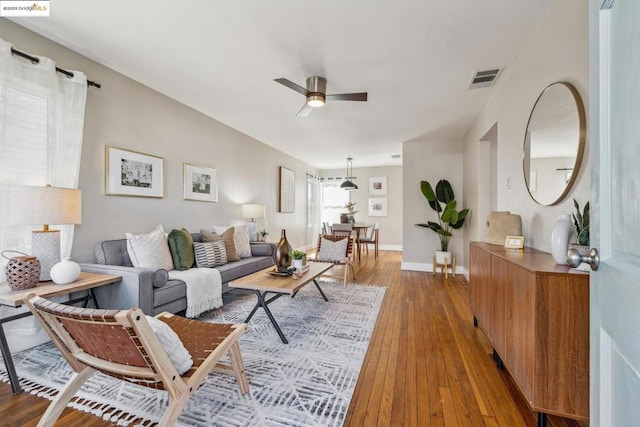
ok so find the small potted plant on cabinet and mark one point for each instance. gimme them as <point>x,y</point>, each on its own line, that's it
<point>298,258</point>
<point>443,201</point>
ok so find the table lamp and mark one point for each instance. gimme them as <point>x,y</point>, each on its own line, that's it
<point>252,211</point>
<point>44,206</point>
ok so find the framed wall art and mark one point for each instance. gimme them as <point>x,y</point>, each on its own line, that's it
<point>129,173</point>
<point>287,196</point>
<point>378,206</point>
<point>200,183</point>
<point>378,186</point>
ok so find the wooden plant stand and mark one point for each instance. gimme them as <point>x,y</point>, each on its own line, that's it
<point>444,267</point>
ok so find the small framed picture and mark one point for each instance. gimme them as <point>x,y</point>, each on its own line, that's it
<point>514,242</point>
<point>378,206</point>
<point>378,186</point>
<point>200,183</point>
<point>129,173</point>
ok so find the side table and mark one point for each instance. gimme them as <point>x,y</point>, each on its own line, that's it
<point>444,268</point>
<point>11,298</point>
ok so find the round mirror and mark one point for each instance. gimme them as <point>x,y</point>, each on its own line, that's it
<point>554,143</point>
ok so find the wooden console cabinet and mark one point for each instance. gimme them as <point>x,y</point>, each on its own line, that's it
<point>536,315</point>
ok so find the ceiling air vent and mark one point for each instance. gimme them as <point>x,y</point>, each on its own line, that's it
<point>484,78</point>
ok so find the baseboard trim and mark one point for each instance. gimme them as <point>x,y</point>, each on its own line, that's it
<point>396,248</point>
<point>428,267</point>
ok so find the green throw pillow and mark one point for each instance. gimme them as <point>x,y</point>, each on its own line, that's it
<point>181,246</point>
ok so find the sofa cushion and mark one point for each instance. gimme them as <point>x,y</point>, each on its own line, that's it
<point>149,250</point>
<point>181,247</point>
<point>210,254</point>
<point>240,238</point>
<point>235,270</point>
<point>227,237</point>
<point>113,252</point>
<point>171,291</point>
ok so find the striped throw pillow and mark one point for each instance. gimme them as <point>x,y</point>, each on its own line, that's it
<point>211,254</point>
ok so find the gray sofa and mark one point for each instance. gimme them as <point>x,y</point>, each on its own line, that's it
<point>140,287</point>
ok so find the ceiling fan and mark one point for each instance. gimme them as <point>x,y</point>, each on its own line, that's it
<point>316,93</point>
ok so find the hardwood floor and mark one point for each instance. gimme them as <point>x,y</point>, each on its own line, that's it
<point>427,365</point>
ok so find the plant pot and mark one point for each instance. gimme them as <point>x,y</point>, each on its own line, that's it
<point>298,263</point>
<point>443,257</point>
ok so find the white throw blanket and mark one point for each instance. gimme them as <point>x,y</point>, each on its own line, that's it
<point>204,289</point>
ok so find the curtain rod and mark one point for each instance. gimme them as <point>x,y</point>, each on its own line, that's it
<point>35,60</point>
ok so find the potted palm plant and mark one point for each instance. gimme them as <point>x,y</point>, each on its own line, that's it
<point>443,201</point>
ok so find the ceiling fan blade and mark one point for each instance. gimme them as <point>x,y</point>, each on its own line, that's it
<point>362,96</point>
<point>304,111</point>
<point>292,85</point>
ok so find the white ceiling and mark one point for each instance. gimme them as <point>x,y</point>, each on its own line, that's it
<point>415,58</point>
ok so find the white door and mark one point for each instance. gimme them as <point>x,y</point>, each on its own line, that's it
<point>615,207</point>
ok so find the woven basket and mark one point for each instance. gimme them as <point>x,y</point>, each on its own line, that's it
<point>23,272</point>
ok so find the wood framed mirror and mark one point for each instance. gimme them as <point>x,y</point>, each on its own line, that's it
<point>554,143</point>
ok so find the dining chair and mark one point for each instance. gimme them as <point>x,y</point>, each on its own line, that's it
<point>342,229</point>
<point>124,344</point>
<point>326,228</point>
<point>371,239</point>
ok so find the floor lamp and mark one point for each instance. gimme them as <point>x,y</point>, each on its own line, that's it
<point>252,211</point>
<point>44,206</point>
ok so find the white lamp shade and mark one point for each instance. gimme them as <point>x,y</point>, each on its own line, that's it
<point>45,205</point>
<point>252,211</point>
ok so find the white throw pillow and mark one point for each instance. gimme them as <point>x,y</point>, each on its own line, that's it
<point>240,239</point>
<point>172,345</point>
<point>333,251</point>
<point>150,250</point>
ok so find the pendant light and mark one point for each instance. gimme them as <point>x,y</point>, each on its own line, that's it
<point>348,184</point>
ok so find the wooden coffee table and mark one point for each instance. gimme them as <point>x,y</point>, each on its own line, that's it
<point>262,283</point>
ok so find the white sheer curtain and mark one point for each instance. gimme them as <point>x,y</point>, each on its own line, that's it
<point>41,126</point>
<point>314,209</point>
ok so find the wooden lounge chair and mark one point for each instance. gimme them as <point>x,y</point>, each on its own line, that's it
<point>341,260</point>
<point>121,343</point>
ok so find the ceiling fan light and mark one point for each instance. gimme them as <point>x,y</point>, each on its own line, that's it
<point>315,100</point>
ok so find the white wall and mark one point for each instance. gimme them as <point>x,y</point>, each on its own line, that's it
<point>129,115</point>
<point>390,233</point>
<point>431,161</point>
<point>557,51</point>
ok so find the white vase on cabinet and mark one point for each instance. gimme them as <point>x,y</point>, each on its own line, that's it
<point>560,238</point>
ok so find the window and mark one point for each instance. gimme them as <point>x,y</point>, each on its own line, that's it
<point>334,199</point>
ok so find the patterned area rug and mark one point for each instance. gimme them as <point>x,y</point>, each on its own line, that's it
<point>308,382</point>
